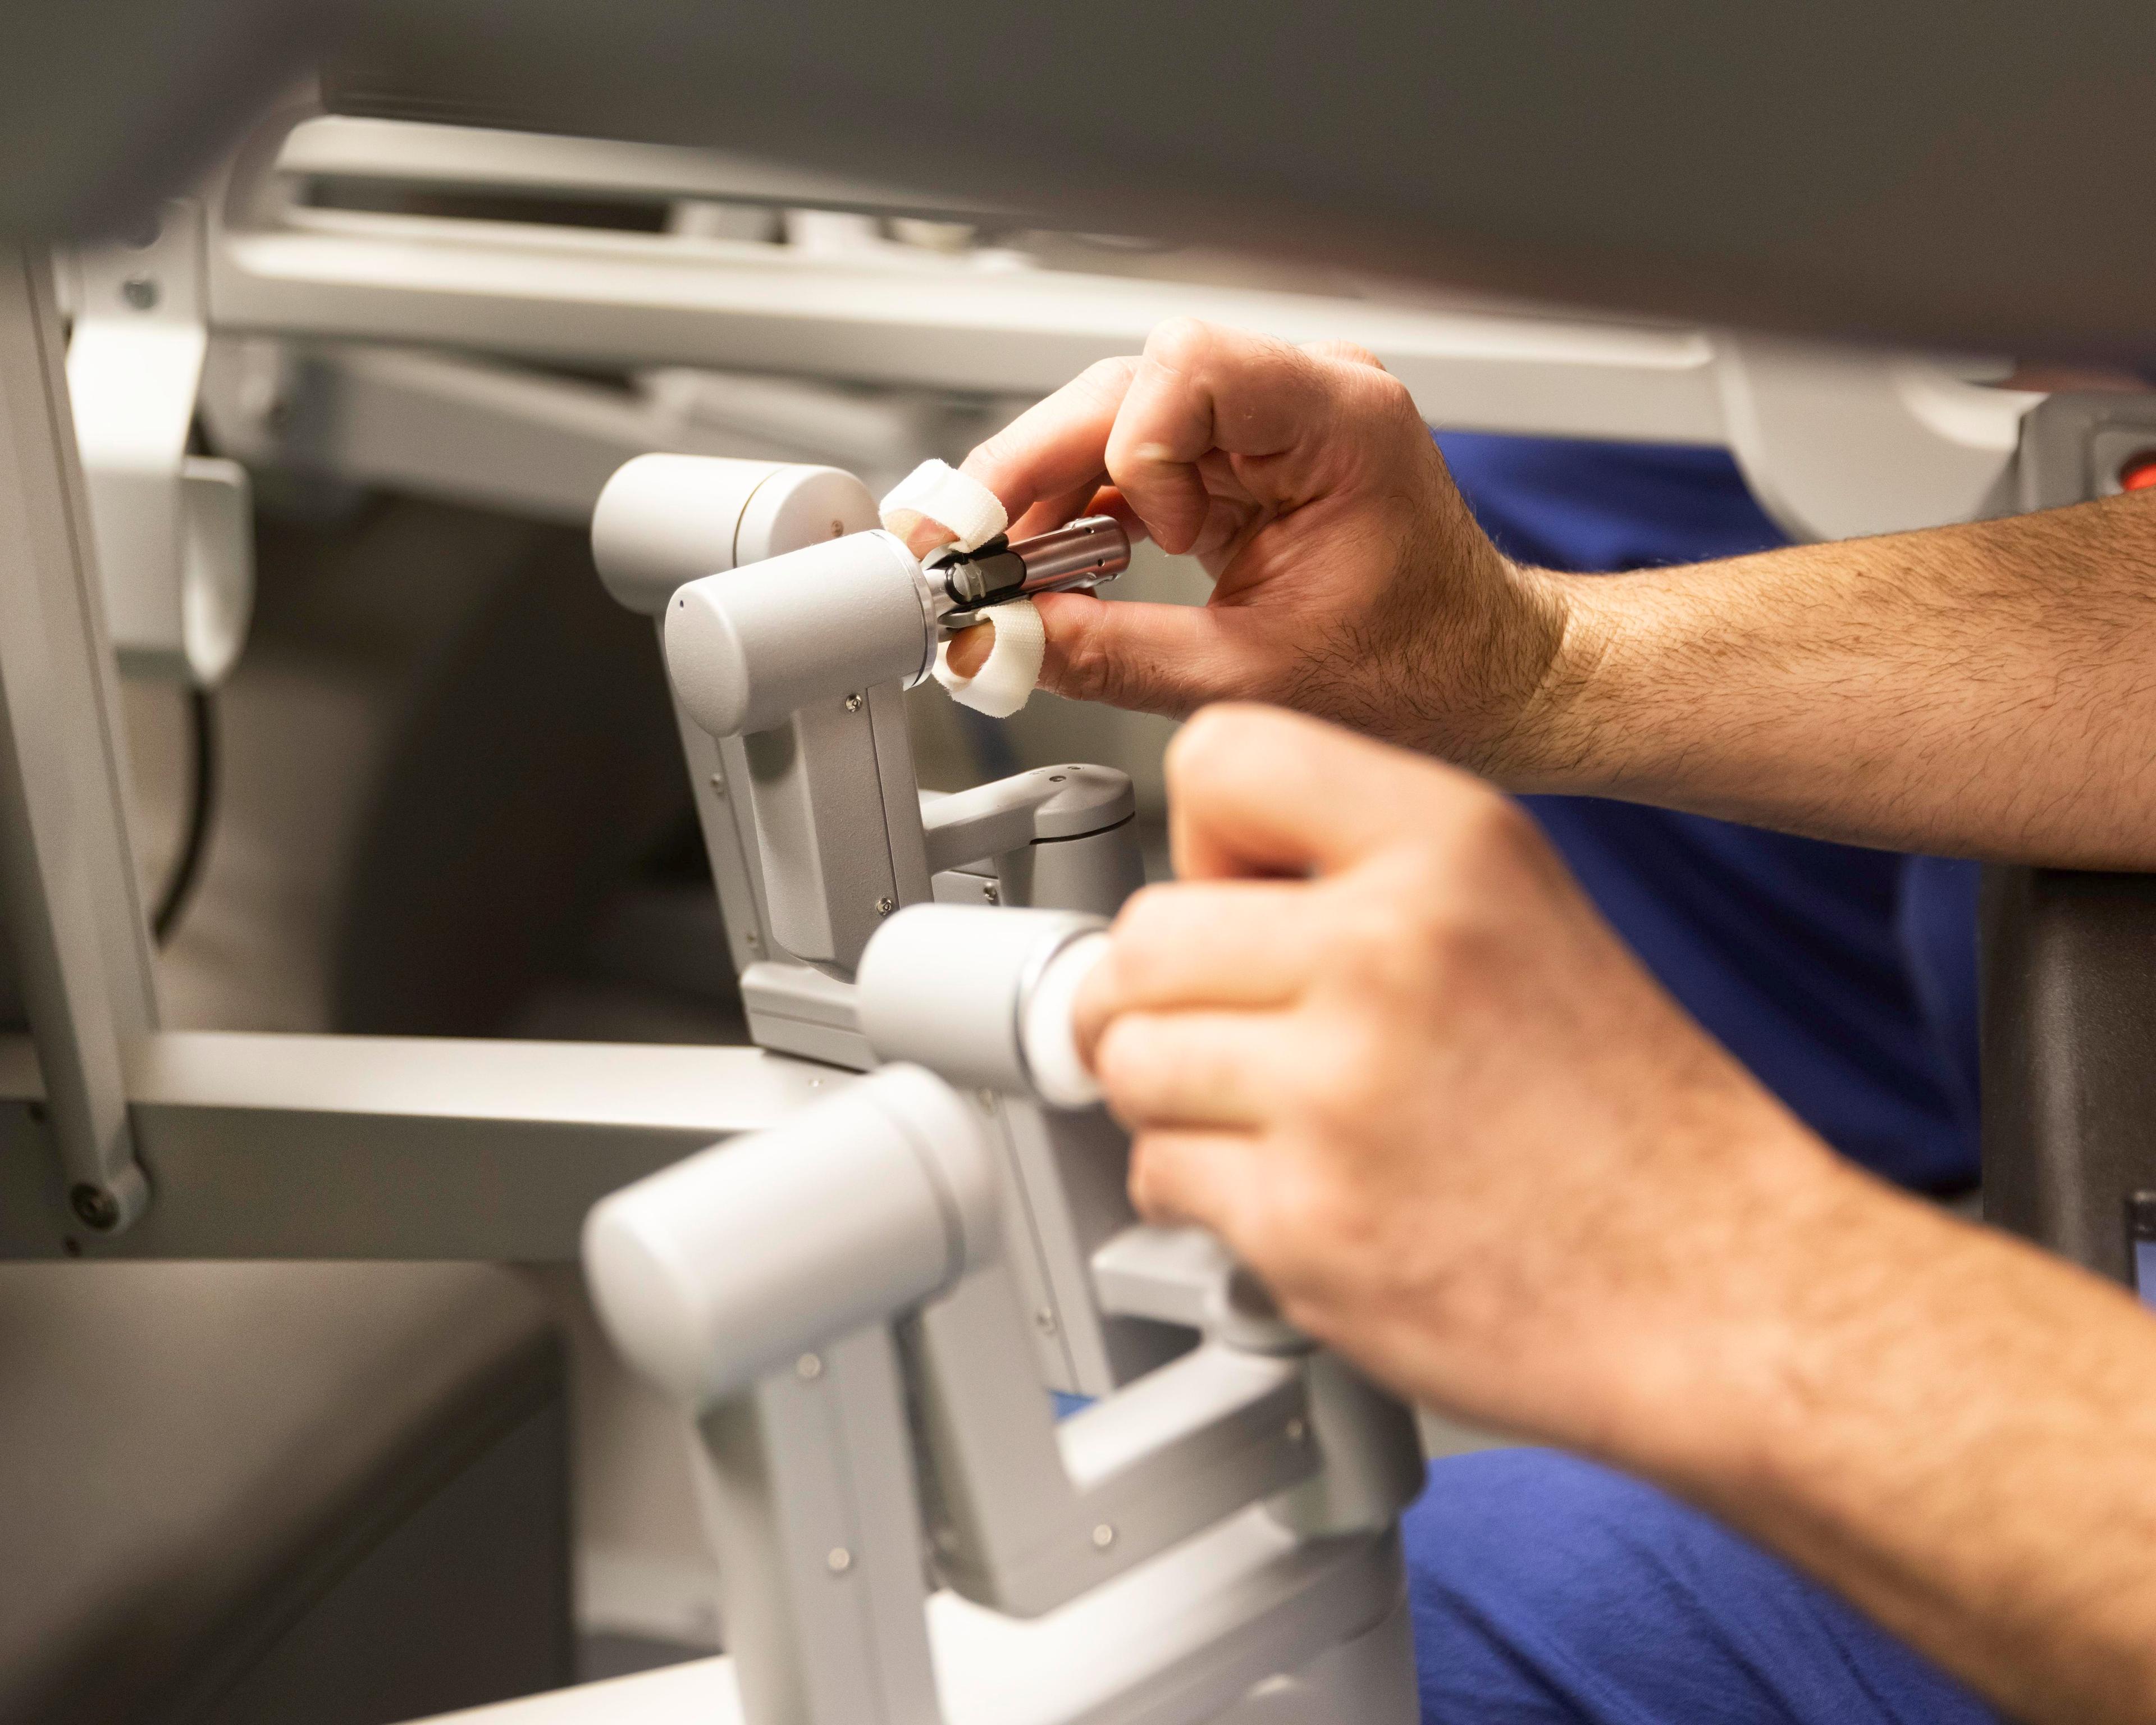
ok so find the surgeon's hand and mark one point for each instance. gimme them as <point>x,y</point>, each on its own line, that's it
<point>1350,581</point>
<point>1377,1040</point>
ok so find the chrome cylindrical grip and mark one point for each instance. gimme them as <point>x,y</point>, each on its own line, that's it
<point>1089,551</point>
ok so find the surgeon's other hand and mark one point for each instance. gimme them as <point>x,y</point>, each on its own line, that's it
<point>1350,582</point>
<point>1377,1040</point>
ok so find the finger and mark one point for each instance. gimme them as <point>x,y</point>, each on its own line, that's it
<point>1148,657</point>
<point>919,533</point>
<point>1090,499</point>
<point>1234,943</point>
<point>1260,791</point>
<point>1183,1178</point>
<point>1198,388</point>
<point>1057,447</point>
<point>970,648</point>
<point>1192,1069</point>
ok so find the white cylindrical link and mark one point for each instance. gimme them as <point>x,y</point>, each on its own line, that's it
<point>947,985</point>
<point>711,1272</point>
<point>664,520</point>
<point>1060,1078</point>
<point>800,507</point>
<point>746,648</point>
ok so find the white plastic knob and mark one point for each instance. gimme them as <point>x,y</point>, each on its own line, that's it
<point>1060,1078</point>
<point>712,1272</point>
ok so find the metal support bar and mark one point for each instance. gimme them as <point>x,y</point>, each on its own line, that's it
<point>174,531</point>
<point>406,1148</point>
<point>67,886</point>
<point>810,1497</point>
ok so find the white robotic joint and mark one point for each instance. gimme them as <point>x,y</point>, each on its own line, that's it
<point>982,996</point>
<point>748,647</point>
<point>711,1272</point>
<point>664,519</point>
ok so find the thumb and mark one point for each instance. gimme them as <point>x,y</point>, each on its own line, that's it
<point>1255,790</point>
<point>1148,657</point>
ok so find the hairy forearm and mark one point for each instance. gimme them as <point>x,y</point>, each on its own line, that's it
<point>1987,690</point>
<point>1958,1433</point>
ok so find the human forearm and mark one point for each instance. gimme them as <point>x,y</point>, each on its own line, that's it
<point>1956,1432</point>
<point>1986,690</point>
<point>1377,1039</point>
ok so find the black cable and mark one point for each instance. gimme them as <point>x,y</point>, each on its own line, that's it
<point>202,808</point>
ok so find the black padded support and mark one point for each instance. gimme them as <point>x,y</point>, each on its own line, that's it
<point>2069,1060</point>
<point>2069,990</point>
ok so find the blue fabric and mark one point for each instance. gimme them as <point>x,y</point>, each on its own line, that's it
<point>1545,1588</point>
<point>1846,978</point>
<point>1568,1593</point>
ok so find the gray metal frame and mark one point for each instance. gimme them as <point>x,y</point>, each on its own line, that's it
<point>74,913</point>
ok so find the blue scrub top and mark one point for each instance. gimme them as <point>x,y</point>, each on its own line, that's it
<point>1844,977</point>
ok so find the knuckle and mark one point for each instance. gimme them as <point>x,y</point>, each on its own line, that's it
<point>1212,738</point>
<point>1180,343</point>
<point>1382,396</point>
<point>1087,668</point>
<point>1488,832</point>
<point>1360,1068</point>
<point>1367,937</point>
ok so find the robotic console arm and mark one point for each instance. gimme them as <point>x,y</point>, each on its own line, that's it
<point>862,1231</point>
<point>867,1306</point>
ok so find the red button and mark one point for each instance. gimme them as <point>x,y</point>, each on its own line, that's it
<point>2138,473</point>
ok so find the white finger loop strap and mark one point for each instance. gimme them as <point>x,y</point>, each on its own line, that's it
<point>1000,687</point>
<point>937,490</point>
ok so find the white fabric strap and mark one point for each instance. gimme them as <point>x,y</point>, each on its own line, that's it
<point>1001,686</point>
<point>940,493</point>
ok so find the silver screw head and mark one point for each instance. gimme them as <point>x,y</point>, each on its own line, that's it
<point>719,783</point>
<point>992,892</point>
<point>1296,1430</point>
<point>885,906</point>
<point>1104,1536</point>
<point>808,1368</point>
<point>853,703</point>
<point>838,1560</point>
<point>95,1207</point>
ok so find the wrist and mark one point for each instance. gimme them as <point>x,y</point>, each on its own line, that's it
<point>1815,1312</point>
<point>1538,742</point>
<point>1722,1374</point>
